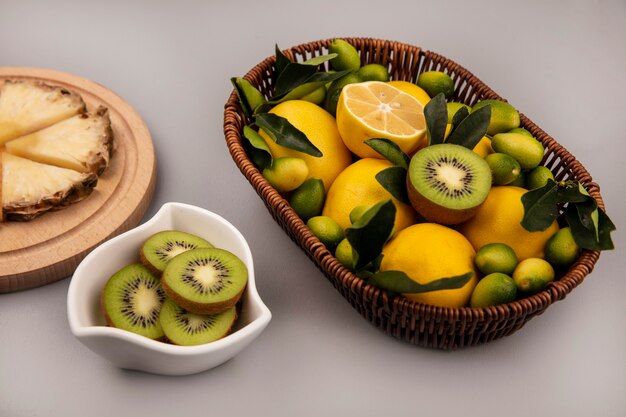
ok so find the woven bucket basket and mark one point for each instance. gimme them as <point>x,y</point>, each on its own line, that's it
<point>416,323</point>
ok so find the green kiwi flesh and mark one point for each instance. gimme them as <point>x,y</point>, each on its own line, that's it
<point>132,300</point>
<point>205,280</point>
<point>446,183</point>
<point>188,329</point>
<point>159,248</point>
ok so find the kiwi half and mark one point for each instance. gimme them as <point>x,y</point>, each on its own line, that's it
<point>205,281</point>
<point>447,183</point>
<point>132,300</point>
<point>159,248</point>
<point>188,329</point>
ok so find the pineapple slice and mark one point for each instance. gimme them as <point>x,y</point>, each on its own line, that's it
<point>27,106</point>
<point>82,143</point>
<point>31,188</point>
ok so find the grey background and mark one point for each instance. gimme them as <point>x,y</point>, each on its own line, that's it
<point>560,62</point>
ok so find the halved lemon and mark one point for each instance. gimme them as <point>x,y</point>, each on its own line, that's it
<point>375,109</point>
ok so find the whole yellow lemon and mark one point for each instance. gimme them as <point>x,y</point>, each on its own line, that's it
<point>498,220</point>
<point>321,130</point>
<point>357,186</point>
<point>429,251</point>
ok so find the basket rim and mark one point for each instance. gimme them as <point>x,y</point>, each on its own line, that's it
<point>554,292</point>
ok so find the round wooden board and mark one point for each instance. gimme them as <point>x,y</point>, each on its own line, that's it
<point>51,246</point>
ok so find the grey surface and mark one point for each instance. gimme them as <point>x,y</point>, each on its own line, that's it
<point>561,63</point>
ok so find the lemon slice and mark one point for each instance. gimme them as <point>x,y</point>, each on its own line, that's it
<point>378,110</point>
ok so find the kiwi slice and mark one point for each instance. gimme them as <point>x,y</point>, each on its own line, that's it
<point>188,329</point>
<point>205,281</point>
<point>446,183</point>
<point>159,248</point>
<point>132,299</point>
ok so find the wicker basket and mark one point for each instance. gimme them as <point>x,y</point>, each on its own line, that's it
<point>416,323</point>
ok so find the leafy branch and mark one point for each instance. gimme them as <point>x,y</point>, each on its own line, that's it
<point>368,235</point>
<point>294,80</point>
<point>590,225</point>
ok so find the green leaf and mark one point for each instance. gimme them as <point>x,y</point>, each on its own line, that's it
<point>583,219</point>
<point>390,151</point>
<point>311,84</point>
<point>364,274</point>
<point>296,93</point>
<point>588,215</point>
<point>583,230</point>
<point>399,282</point>
<point>472,128</point>
<point>292,76</point>
<point>249,97</point>
<point>259,151</point>
<point>605,227</point>
<point>285,134</point>
<point>458,117</point>
<point>318,60</point>
<point>572,192</point>
<point>263,108</point>
<point>281,61</point>
<point>374,266</point>
<point>370,232</point>
<point>393,179</point>
<point>436,114</point>
<point>540,209</point>
<point>368,270</point>
<point>326,77</point>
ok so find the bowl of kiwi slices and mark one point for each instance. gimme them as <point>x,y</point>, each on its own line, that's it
<point>173,296</point>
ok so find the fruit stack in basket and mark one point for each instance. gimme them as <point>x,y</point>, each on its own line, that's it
<point>417,194</point>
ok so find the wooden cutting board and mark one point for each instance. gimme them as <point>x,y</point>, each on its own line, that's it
<point>51,246</point>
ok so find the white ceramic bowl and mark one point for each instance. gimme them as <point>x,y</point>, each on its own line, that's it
<point>131,351</point>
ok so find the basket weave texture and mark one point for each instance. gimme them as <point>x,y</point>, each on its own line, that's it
<point>419,324</point>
